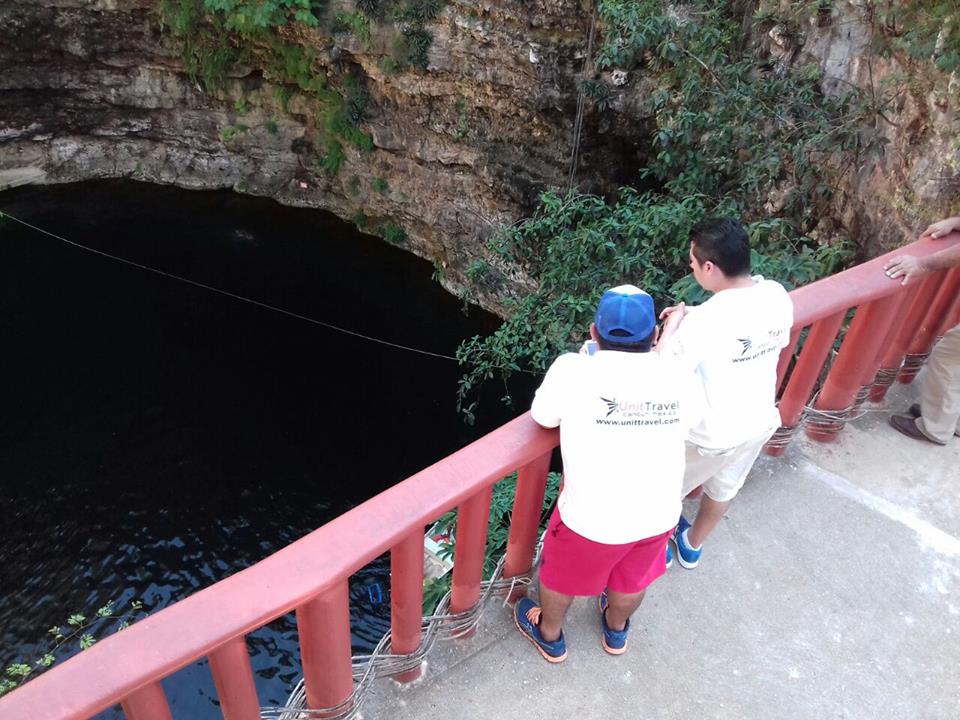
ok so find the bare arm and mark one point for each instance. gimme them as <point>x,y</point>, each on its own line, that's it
<point>674,316</point>
<point>909,267</point>
<point>941,228</point>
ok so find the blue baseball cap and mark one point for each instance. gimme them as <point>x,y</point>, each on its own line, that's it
<point>625,315</point>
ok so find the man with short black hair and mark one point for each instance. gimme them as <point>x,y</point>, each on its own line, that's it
<point>623,416</point>
<point>734,341</point>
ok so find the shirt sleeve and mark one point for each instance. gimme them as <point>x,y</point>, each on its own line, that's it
<point>547,408</point>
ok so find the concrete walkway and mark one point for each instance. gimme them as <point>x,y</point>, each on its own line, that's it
<point>829,591</point>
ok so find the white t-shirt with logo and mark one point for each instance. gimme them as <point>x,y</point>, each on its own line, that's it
<point>734,341</point>
<point>623,419</point>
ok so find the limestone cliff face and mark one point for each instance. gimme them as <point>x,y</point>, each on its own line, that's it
<point>92,89</point>
<point>915,179</point>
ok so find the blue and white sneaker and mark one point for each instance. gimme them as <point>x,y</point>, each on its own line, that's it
<point>669,555</point>
<point>526,614</point>
<point>614,641</point>
<point>687,555</point>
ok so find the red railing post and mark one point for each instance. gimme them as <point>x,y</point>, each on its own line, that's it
<point>786,355</point>
<point>922,296</point>
<point>406,599</point>
<point>926,333</point>
<point>857,356</point>
<point>233,678</point>
<point>809,365</point>
<point>525,520</point>
<point>473,517</point>
<point>325,649</point>
<point>147,703</point>
<point>871,370</point>
<point>952,316</point>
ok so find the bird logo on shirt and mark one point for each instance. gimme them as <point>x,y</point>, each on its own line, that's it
<point>611,406</point>
<point>747,343</point>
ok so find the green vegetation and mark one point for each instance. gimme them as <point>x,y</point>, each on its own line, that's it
<point>392,233</point>
<point>206,51</point>
<point>353,185</point>
<point>598,91</point>
<point>462,127</point>
<point>217,33</point>
<point>355,23</point>
<point>78,632</point>
<point>360,219</point>
<point>247,15</point>
<point>231,131</point>
<point>728,137</point>
<point>411,46</point>
<point>498,532</point>
<point>924,29</point>
<point>380,185</point>
<point>357,102</point>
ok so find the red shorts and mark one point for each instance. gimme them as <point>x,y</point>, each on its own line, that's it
<point>573,565</point>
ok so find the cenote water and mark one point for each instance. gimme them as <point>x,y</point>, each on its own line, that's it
<point>157,437</point>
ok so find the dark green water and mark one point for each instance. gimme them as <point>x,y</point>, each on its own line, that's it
<point>156,437</point>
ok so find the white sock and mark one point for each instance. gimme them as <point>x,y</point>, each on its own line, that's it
<point>687,542</point>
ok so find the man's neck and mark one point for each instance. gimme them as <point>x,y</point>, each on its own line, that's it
<point>736,283</point>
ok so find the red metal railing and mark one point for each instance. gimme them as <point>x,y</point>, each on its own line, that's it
<point>893,326</point>
<point>310,576</point>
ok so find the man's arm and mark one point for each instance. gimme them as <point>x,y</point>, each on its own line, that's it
<point>909,267</point>
<point>942,228</point>
<point>674,316</point>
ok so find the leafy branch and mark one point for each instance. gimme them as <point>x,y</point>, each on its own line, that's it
<point>78,632</point>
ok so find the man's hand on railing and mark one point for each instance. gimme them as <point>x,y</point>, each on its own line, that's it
<point>906,266</point>
<point>909,267</point>
<point>941,228</point>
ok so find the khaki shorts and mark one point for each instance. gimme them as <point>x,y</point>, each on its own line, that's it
<point>721,472</point>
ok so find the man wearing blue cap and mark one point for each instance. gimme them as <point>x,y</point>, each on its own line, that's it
<point>623,415</point>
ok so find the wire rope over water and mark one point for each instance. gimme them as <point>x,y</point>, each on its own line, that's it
<point>250,301</point>
<point>234,296</point>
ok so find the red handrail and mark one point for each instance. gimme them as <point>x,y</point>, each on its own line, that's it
<point>882,304</point>
<point>310,575</point>
<point>858,285</point>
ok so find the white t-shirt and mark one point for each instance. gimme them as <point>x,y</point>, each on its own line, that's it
<point>623,419</point>
<point>734,341</point>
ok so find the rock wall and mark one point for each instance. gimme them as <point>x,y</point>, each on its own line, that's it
<point>913,111</point>
<point>92,89</point>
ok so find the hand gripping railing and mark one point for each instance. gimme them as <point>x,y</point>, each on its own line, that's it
<point>310,577</point>
<point>891,333</point>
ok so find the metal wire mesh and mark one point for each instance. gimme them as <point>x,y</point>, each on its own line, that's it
<point>912,364</point>
<point>441,625</point>
<point>826,421</point>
